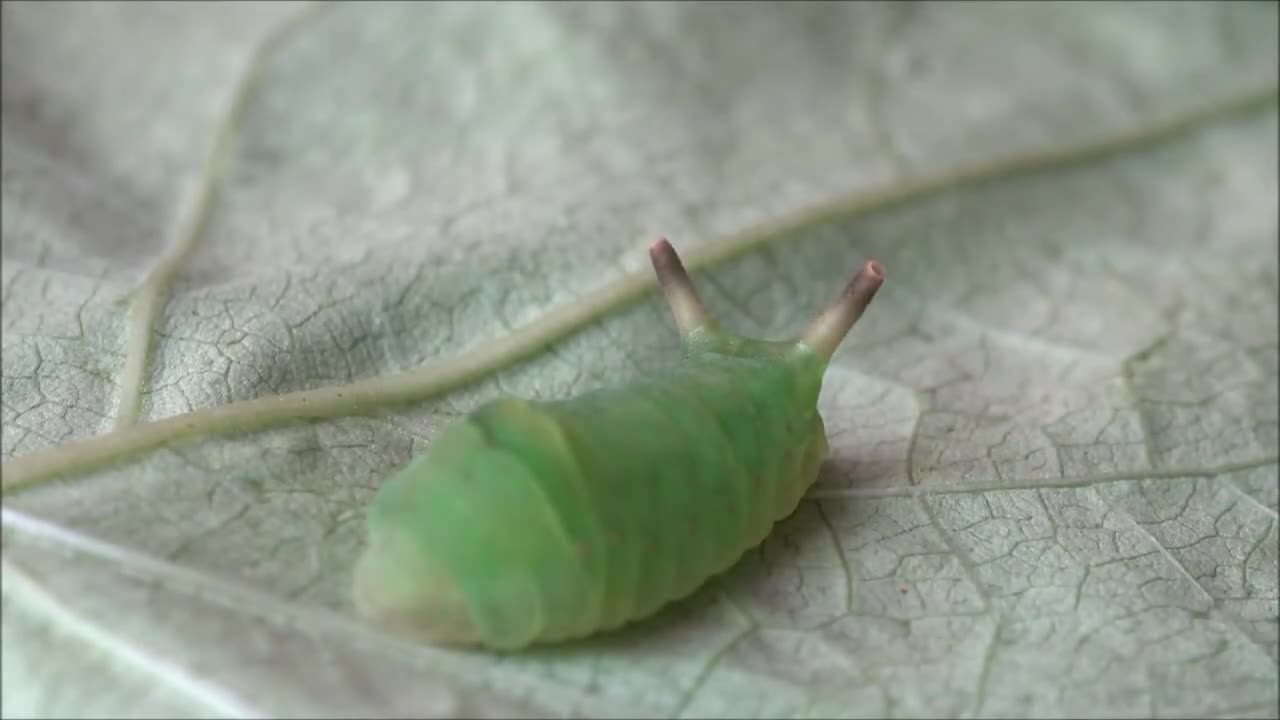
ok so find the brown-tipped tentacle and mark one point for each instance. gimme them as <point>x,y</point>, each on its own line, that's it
<point>686,306</point>
<point>828,329</point>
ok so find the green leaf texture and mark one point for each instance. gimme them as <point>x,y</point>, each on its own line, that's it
<point>256,255</point>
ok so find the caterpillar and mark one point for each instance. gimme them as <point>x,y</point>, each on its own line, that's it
<point>534,522</point>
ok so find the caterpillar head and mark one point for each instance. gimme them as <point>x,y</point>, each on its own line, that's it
<point>819,340</point>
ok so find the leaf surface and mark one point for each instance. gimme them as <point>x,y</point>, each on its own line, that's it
<point>1052,483</point>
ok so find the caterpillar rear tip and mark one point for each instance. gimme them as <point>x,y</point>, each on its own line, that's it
<point>534,522</point>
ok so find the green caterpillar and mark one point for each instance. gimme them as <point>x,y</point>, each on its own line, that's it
<point>531,522</point>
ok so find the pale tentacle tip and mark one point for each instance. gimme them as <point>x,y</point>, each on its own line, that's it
<point>661,246</point>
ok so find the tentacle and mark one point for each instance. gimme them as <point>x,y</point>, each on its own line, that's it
<point>828,329</point>
<point>686,306</point>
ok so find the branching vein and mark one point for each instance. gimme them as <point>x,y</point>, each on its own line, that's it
<point>149,298</point>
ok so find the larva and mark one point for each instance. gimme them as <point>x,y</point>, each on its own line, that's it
<point>531,522</point>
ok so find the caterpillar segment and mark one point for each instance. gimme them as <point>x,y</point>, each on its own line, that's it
<point>532,522</point>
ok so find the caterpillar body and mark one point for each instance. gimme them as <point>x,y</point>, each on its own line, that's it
<point>531,522</point>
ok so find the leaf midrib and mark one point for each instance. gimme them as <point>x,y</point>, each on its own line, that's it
<point>436,377</point>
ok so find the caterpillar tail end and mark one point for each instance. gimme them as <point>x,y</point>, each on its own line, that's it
<point>397,588</point>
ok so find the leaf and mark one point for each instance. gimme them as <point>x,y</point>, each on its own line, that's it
<point>255,256</point>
